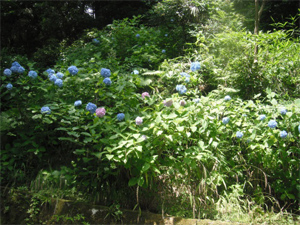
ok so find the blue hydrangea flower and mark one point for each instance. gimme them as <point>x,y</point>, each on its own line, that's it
<point>166,35</point>
<point>9,86</point>
<point>73,70</point>
<point>239,134</point>
<point>163,51</point>
<point>7,72</point>
<point>225,120</point>
<point>52,77</point>
<point>107,81</point>
<point>283,134</point>
<point>262,117</point>
<point>195,66</point>
<point>181,89</point>
<point>15,67</point>
<point>172,20</point>
<point>283,111</point>
<point>196,100</point>
<point>105,72</point>
<point>96,41</point>
<point>50,71</point>
<point>45,110</point>
<point>32,74</point>
<point>121,116</point>
<point>227,98</point>
<point>187,76</point>
<point>137,35</point>
<point>78,103</point>
<point>136,72</point>
<point>16,64</point>
<point>20,69</point>
<point>272,124</point>
<point>59,75</point>
<point>58,82</point>
<point>91,107</point>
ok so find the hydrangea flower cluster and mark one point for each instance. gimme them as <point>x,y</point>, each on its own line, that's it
<point>163,51</point>
<point>283,111</point>
<point>32,74</point>
<point>136,72</point>
<point>272,124</point>
<point>145,94</point>
<point>77,103</point>
<point>73,70</point>
<point>283,134</point>
<point>166,35</point>
<point>105,72</point>
<point>58,82</point>
<point>7,72</point>
<point>195,66</point>
<point>187,76</point>
<point>107,81</point>
<point>225,120</point>
<point>52,77</point>
<point>262,117</point>
<point>182,103</point>
<point>139,121</point>
<point>50,71</point>
<point>17,68</point>
<point>59,75</point>
<point>91,107</point>
<point>45,110</point>
<point>9,86</point>
<point>227,98</point>
<point>121,116</point>
<point>100,112</point>
<point>168,103</point>
<point>137,35</point>
<point>181,89</point>
<point>95,41</point>
<point>239,134</point>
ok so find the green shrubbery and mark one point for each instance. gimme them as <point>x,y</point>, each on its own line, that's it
<point>183,148</point>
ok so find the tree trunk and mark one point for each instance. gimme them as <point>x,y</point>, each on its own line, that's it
<point>258,12</point>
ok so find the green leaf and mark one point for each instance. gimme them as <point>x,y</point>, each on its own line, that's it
<point>145,167</point>
<point>133,181</point>
<point>109,157</point>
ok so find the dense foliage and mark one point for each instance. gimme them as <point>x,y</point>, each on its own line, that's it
<point>123,117</point>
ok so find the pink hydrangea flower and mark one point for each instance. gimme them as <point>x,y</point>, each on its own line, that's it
<point>100,112</point>
<point>138,121</point>
<point>145,94</point>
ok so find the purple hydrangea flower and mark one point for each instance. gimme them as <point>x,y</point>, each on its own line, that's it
<point>121,116</point>
<point>145,94</point>
<point>7,72</point>
<point>45,110</point>
<point>227,98</point>
<point>100,112</point>
<point>59,82</point>
<point>91,107</point>
<point>107,81</point>
<point>105,72</point>
<point>283,134</point>
<point>73,70</point>
<point>32,74</point>
<point>283,111</point>
<point>78,103</point>
<point>262,117</point>
<point>225,120</point>
<point>59,75</point>
<point>272,124</point>
<point>138,121</point>
<point>9,86</point>
<point>195,66</point>
<point>182,103</point>
<point>239,134</point>
<point>168,103</point>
